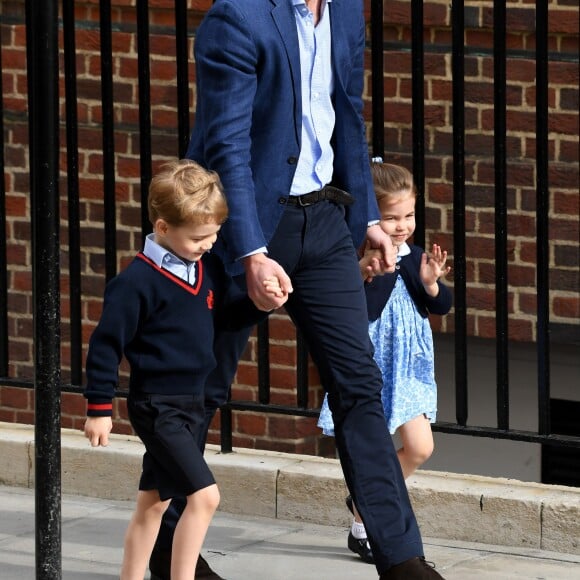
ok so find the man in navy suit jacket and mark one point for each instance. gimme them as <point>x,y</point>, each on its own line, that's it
<point>279,118</point>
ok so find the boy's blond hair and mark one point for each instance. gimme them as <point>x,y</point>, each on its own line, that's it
<point>184,193</point>
<point>392,181</point>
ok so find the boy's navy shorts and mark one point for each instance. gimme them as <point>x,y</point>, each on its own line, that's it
<point>169,427</point>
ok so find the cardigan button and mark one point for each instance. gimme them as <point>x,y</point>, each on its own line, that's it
<point>292,160</point>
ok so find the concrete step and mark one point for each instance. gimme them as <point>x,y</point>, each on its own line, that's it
<point>303,488</point>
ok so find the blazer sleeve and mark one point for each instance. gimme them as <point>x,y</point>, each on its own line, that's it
<point>226,66</point>
<point>355,90</point>
<point>352,169</point>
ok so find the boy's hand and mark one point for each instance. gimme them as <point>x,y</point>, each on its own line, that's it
<point>97,430</point>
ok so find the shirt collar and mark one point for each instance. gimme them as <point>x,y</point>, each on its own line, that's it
<point>159,254</point>
<point>404,250</point>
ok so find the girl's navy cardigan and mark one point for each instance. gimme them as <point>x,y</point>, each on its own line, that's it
<point>379,290</point>
<point>165,329</point>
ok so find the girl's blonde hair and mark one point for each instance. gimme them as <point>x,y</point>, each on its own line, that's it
<point>392,181</point>
<point>185,193</point>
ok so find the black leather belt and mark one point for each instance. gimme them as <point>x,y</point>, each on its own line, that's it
<point>328,192</point>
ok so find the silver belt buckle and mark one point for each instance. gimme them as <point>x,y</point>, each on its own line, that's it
<point>304,203</point>
<point>318,198</point>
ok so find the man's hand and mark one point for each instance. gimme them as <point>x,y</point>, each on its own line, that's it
<point>259,269</point>
<point>97,430</point>
<point>377,239</point>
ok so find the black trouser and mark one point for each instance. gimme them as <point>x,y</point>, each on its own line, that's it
<point>314,246</point>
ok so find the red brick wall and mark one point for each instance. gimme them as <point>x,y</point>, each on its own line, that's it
<point>283,432</point>
<point>520,148</point>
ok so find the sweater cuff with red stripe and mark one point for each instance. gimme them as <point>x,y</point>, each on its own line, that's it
<point>99,408</point>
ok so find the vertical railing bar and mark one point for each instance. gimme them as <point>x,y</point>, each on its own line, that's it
<point>226,428</point>
<point>301,371</point>
<point>72,152</point>
<point>183,80</point>
<point>144,75</point>
<point>501,267</point>
<point>263,346</point>
<point>459,258</point>
<point>377,76</point>
<point>42,50</point>
<point>542,222</point>
<point>418,117</point>
<point>108,139</point>
<point>4,355</point>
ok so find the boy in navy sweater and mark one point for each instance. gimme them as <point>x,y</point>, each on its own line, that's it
<point>160,314</point>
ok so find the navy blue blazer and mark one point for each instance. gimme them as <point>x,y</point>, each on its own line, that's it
<point>248,114</point>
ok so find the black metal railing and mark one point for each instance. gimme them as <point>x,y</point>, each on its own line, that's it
<point>44,139</point>
<point>459,251</point>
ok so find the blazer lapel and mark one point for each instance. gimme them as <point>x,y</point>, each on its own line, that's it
<point>284,19</point>
<point>340,55</point>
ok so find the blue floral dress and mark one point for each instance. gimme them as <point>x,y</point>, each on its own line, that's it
<point>403,344</point>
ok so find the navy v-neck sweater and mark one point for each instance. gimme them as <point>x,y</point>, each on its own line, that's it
<point>165,329</point>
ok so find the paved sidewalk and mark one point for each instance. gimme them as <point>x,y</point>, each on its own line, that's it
<point>247,548</point>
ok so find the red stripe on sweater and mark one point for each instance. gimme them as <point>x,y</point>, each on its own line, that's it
<point>193,289</point>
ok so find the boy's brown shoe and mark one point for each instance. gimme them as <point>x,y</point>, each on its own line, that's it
<point>413,569</point>
<point>160,567</point>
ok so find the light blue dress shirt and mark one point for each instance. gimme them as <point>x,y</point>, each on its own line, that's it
<point>169,261</point>
<point>314,168</point>
<point>315,163</point>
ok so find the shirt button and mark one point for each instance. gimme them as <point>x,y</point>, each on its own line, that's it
<point>292,160</point>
